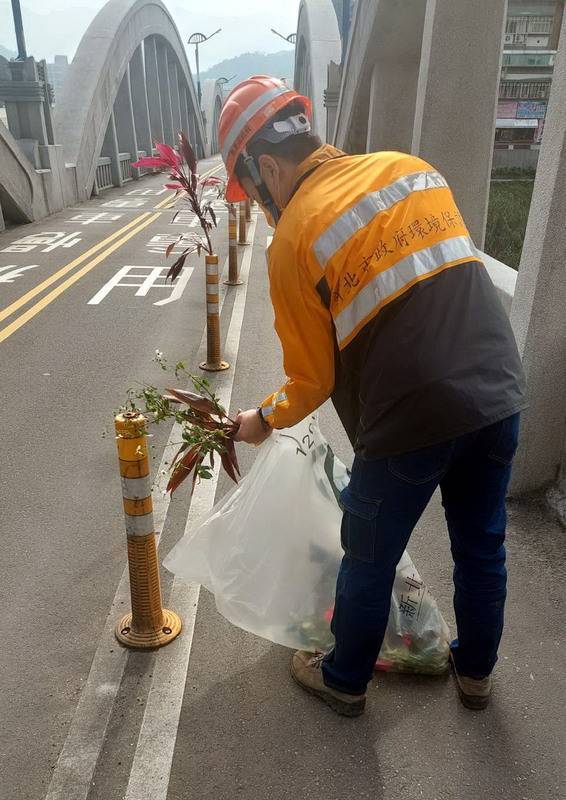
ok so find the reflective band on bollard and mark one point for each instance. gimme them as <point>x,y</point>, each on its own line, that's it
<point>233,269</point>
<point>213,361</point>
<point>148,625</point>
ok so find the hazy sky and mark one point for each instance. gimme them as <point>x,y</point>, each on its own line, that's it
<point>56,26</point>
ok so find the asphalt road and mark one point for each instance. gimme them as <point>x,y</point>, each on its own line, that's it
<point>221,718</point>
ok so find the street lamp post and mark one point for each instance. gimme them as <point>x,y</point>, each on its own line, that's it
<point>223,82</point>
<point>196,39</point>
<point>291,39</point>
<point>19,26</point>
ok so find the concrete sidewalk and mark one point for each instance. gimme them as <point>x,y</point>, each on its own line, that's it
<point>247,731</point>
<point>244,730</point>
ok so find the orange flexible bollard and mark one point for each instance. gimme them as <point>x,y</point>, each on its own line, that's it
<point>213,361</point>
<point>243,233</point>
<point>233,269</point>
<point>149,625</point>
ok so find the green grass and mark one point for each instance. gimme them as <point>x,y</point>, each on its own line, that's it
<point>509,205</point>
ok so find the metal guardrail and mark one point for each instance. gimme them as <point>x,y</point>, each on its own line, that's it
<point>126,167</point>
<point>143,170</point>
<point>104,174</point>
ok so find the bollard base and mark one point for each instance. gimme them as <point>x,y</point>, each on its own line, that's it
<point>222,365</point>
<point>169,631</point>
<point>234,283</point>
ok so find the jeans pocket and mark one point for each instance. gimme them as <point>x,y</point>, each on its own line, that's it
<point>422,466</point>
<point>359,526</point>
<point>506,440</point>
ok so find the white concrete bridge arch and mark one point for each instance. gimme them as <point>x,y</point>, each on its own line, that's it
<point>129,84</point>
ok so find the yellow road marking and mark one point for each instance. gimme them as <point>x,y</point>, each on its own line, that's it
<point>54,293</point>
<point>21,301</point>
<point>164,202</point>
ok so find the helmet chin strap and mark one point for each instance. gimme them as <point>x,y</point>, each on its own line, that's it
<point>264,193</point>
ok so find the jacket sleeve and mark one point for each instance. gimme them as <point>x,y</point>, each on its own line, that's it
<point>305,329</point>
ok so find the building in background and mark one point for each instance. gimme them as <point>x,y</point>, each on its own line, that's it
<point>57,72</point>
<point>530,46</point>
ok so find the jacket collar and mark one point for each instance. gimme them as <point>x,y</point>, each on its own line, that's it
<point>325,153</point>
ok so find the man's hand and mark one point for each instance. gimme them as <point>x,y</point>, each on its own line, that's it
<point>252,430</point>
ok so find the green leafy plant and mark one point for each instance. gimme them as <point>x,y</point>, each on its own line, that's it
<point>207,432</point>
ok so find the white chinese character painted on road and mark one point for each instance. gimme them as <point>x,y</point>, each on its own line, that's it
<point>52,239</point>
<point>145,278</point>
<point>147,192</point>
<point>185,218</point>
<point>93,218</point>
<point>189,220</point>
<point>124,203</point>
<point>161,241</point>
<point>16,272</point>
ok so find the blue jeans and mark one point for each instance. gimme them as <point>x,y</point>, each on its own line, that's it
<point>382,505</point>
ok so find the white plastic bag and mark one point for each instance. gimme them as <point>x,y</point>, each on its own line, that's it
<point>270,553</point>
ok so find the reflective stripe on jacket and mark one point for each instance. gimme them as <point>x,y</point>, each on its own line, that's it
<point>358,244</point>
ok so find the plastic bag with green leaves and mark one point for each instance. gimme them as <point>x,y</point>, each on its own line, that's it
<point>270,553</point>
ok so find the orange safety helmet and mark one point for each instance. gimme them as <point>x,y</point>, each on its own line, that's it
<point>248,108</point>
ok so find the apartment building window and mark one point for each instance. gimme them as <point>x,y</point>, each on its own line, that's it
<point>540,25</point>
<point>524,90</point>
<point>528,24</point>
<point>528,59</point>
<point>515,135</point>
<point>526,31</point>
<point>517,25</point>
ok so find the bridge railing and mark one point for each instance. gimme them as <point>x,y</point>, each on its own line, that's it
<point>126,167</point>
<point>104,174</point>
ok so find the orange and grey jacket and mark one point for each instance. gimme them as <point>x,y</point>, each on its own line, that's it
<point>382,303</point>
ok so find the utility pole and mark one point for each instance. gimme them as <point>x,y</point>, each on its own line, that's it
<point>19,26</point>
<point>196,39</point>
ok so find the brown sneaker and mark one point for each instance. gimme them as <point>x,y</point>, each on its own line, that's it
<point>474,692</point>
<point>306,671</point>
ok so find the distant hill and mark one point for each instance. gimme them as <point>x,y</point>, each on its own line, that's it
<point>280,65</point>
<point>7,53</point>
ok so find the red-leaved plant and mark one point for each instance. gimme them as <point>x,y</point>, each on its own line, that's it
<point>182,167</point>
<point>206,415</point>
<point>206,429</point>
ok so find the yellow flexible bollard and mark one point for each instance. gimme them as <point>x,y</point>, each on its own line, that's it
<point>149,625</point>
<point>213,361</point>
<point>233,269</point>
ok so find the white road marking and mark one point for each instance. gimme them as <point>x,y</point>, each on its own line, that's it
<point>53,240</point>
<point>147,192</point>
<point>151,767</point>
<point>77,762</point>
<point>124,203</point>
<point>92,218</point>
<point>16,272</point>
<point>149,277</point>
